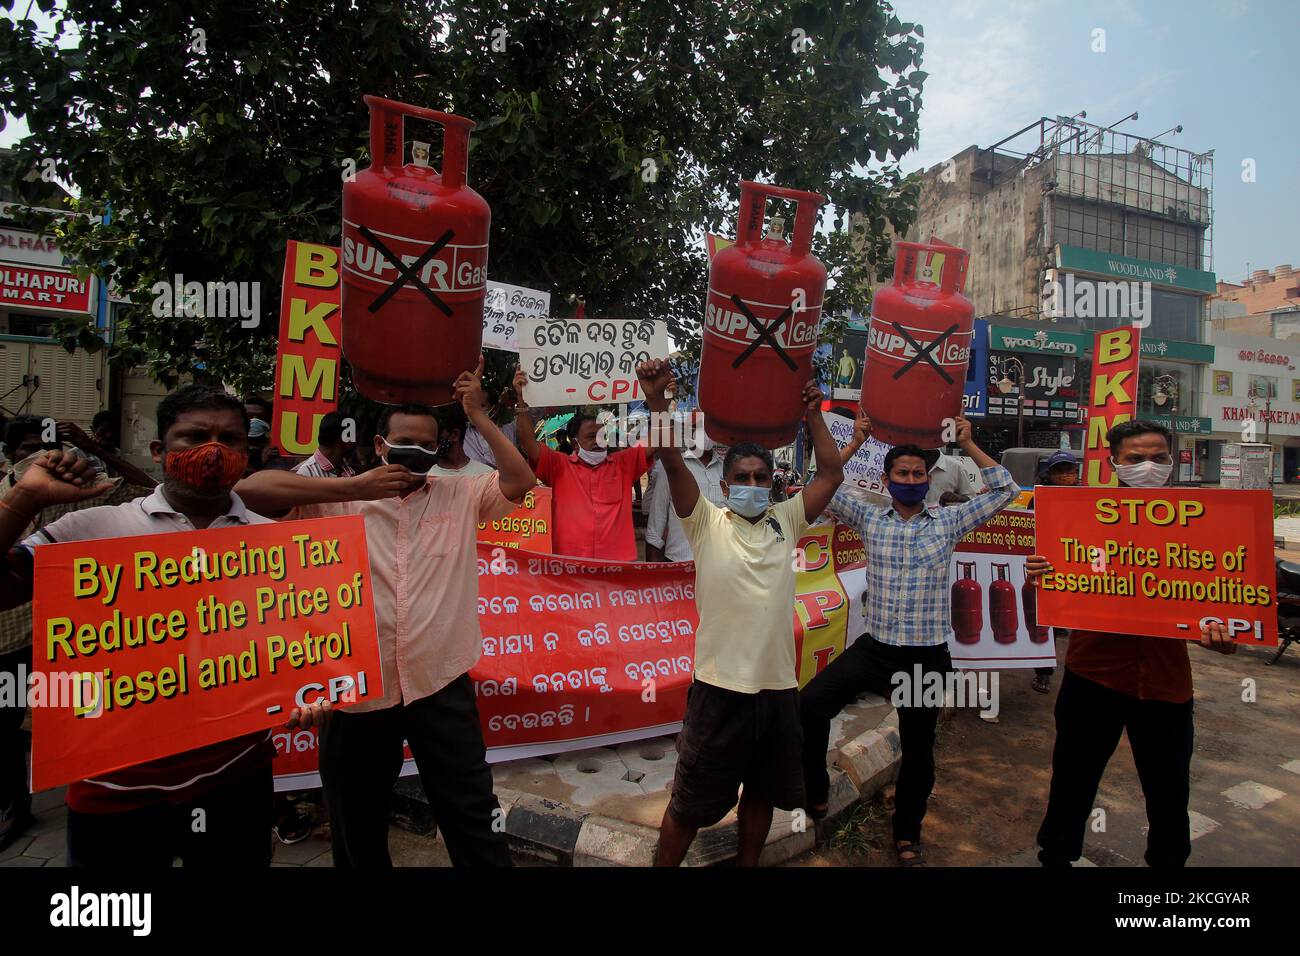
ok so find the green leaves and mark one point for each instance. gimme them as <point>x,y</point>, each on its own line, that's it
<point>213,161</point>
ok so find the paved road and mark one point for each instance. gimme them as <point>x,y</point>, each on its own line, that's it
<point>993,778</point>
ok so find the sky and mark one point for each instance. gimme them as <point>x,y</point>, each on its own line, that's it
<point>1225,70</point>
<point>1222,69</point>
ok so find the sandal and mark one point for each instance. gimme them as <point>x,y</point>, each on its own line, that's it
<point>1042,683</point>
<point>917,851</point>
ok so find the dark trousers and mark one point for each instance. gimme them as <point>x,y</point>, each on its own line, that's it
<point>361,759</point>
<point>15,800</point>
<point>1089,720</point>
<point>869,665</point>
<point>229,827</point>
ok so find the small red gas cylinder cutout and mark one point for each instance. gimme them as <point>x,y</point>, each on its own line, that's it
<point>1029,597</point>
<point>967,605</point>
<point>760,324</point>
<point>1002,606</point>
<point>415,249</point>
<point>918,345</point>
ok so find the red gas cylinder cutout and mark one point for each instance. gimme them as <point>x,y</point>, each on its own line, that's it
<point>1029,597</point>
<point>918,345</point>
<point>415,252</point>
<point>760,324</point>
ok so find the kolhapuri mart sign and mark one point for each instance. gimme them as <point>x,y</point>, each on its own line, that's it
<point>1134,270</point>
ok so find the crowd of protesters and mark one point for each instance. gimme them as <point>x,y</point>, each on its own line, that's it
<point>423,481</point>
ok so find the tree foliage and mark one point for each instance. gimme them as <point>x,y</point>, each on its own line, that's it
<point>610,137</point>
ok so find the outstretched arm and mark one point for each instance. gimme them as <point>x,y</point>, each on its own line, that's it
<point>515,477</point>
<point>656,377</point>
<point>861,432</point>
<point>830,468</point>
<point>275,493</point>
<point>71,433</point>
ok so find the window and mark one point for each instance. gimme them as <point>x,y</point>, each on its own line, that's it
<point>1173,315</point>
<point>39,326</point>
<point>1262,386</point>
<point>1166,388</point>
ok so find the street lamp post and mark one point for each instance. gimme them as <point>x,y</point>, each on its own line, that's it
<point>1256,394</point>
<point>1006,385</point>
<point>1166,389</point>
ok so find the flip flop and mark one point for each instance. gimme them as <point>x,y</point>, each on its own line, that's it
<point>916,859</point>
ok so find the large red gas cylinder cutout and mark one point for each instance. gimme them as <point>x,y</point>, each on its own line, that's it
<point>760,324</point>
<point>415,251</point>
<point>918,345</point>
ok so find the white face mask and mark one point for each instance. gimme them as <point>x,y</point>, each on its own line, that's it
<point>1148,474</point>
<point>593,458</point>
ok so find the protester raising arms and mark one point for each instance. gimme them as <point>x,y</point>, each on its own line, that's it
<point>742,714</point>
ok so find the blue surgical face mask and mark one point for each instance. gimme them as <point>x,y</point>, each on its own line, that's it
<point>749,501</point>
<point>908,494</point>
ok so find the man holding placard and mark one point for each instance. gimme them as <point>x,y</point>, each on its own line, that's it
<point>1116,683</point>
<point>144,813</point>
<point>421,537</point>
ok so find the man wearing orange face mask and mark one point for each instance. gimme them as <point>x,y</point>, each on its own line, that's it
<point>142,814</point>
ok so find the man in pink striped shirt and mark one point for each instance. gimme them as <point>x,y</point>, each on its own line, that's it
<point>424,566</point>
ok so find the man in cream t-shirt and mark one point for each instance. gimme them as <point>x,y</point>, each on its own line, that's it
<point>742,724</point>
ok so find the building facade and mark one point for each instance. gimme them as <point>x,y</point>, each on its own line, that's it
<point>1075,230</point>
<point>1254,395</point>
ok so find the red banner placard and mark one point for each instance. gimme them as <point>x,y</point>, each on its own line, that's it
<point>169,642</point>
<point>575,648</point>
<point>1158,561</point>
<point>528,526</point>
<point>1112,398</point>
<point>307,362</point>
<point>580,653</point>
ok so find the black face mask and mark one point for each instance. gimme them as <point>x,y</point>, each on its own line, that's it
<point>415,459</point>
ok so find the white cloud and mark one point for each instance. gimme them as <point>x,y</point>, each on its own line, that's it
<point>982,60</point>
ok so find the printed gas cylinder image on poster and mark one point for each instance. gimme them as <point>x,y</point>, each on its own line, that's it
<point>994,610</point>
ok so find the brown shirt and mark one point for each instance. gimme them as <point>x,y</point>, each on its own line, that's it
<point>1148,668</point>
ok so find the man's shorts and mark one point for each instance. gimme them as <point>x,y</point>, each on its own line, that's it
<point>728,739</point>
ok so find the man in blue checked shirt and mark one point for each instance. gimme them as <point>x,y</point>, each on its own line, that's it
<point>909,548</point>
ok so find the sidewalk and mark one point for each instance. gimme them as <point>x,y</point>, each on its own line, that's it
<point>595,807</point>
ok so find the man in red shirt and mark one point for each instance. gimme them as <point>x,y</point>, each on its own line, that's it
<point>1120,682</point>
<point>592,486</point>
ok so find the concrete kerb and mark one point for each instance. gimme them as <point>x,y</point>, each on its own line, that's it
<point>548,832</point>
